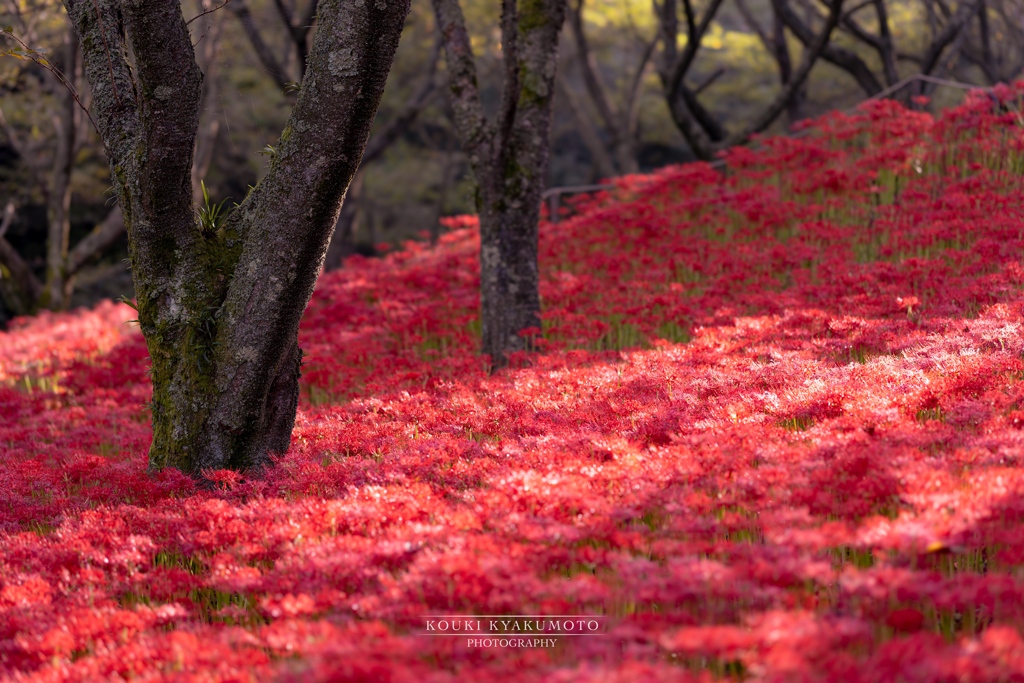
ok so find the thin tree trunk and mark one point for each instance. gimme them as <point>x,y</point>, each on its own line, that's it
<point>266,56</point>
<point>846,60</point>
<point>18,284</point>
<point>57,288</point>
<point>603,165</point>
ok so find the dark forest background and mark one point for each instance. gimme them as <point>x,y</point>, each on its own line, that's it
<point>612,113</point>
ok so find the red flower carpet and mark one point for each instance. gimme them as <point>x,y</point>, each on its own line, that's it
<point>772,432</point>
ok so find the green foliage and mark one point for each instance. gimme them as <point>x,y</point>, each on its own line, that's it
<point>211,216</point>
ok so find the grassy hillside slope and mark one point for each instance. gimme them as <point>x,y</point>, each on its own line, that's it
<point>773,433</point>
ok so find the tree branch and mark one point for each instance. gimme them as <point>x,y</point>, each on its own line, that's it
<point>949,32</point>
<point>845,59</point>
<point>299,33</point>
<point>591,76</point>
<point>263,52</point>
<point>886,47</point>
<point>633,95</point>
<point>209,11</point>
<point>397,127</point>
<point>168,72</point>
<point>101,238</point>
<point>107,70</point>
<point>810,56</point>
<point>751,21</point>
<point>689,53</point>
<point>467,111</point>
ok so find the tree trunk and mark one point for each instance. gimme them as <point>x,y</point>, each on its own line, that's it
<point>509,158</point>
<point>509,283</point>
<point>219,306</point>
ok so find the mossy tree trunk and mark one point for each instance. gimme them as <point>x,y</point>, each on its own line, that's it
<point>509,158</point>
<point>219,304</point>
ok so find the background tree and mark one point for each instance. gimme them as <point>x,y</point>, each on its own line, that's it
<point>618,113</point>
<point>47,141</point>
<point>705,134</point>
<point>509,158</point>
<point>610,114</point>
<point>296,20</point>
<point>219,301</point>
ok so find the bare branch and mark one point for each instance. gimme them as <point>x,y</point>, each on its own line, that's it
<point>685,60</point>
<point>751,21</point>
<point>633,95</point>
<point>209,11</point>
<point>711,78</point>
<point>263,52</point>
<point>380,142</point>
<point>591,76</point>
<point>62,80</point>
<point>668,24</point>
<point>298,33</point>
<point>948,34</point>
<point>101,238</point>
<point>810,56</point>
<point>845,59</point>
<point>468,113</point>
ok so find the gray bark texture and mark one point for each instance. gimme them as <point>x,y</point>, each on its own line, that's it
<point>219,305</point>
<point>509,158</point>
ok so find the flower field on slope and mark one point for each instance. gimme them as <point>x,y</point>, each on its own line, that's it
<point>774,432</point>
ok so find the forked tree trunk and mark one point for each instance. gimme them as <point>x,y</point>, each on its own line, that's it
<point>219,306</point>
<point>509,158</point>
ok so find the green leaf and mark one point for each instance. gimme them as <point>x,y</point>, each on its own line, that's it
<point>128,302</point>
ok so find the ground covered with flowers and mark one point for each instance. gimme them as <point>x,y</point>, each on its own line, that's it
<point>773,432</point>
